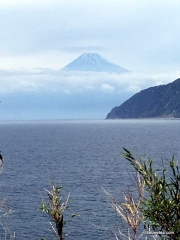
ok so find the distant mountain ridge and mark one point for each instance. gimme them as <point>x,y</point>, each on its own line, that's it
<point>95,63</point>
<point>155,102</point>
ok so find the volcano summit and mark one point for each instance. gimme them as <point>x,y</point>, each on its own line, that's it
<point>93,62</point>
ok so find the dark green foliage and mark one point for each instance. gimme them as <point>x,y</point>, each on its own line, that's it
<point>161,207</point>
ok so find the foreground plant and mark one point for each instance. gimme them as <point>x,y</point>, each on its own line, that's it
<point>5,210</point>
<point>55,208</point>
<point>129,210</point>
<point>161,208</point>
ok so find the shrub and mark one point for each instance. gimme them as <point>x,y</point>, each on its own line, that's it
<point>161,207</point>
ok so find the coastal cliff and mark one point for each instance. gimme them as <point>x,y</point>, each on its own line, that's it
<point>154,102</point>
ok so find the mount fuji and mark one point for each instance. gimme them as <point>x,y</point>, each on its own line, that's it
<point>93,62</point>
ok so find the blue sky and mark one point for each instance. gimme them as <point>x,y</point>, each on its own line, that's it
<point>38,38</point>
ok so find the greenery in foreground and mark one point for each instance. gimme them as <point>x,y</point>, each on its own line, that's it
<point>157,205</point>
<point>55,208</point>
<point>160,209</point>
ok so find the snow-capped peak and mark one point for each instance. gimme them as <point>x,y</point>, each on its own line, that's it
<point>93,62</point>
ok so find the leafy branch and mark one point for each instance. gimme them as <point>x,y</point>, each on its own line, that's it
<point>161,209</point>
<point>55,208</point>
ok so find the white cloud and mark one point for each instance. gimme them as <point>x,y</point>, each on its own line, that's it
<point>50,80</point>
<point>107,88</point>
<point>133,88</point>
<point>85,92</point>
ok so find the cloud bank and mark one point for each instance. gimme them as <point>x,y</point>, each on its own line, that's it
<point>43,80</point>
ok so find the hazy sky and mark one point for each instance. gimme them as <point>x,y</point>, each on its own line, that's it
<point>140,35</point>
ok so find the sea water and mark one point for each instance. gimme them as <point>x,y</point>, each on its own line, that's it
<point>84,157</point>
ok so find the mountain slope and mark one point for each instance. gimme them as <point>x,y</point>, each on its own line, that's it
<point>93,62</point>
<point>159,101</point>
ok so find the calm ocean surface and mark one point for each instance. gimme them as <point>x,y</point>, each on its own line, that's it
<point>83,156</point>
